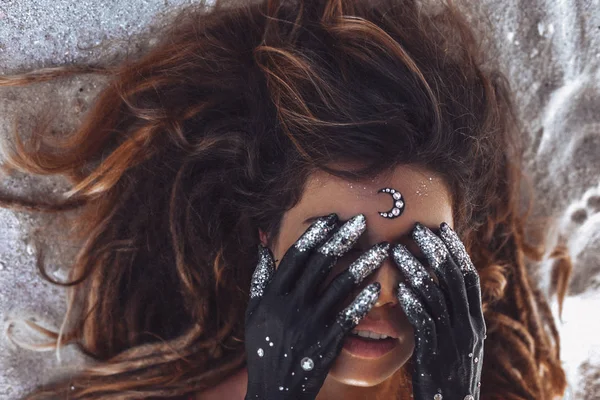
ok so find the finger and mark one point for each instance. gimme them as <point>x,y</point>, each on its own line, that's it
<point>324,258</point>
<point>293,262</point>
<point>333,340</point>
<point>261,277</point>
<point>450,278</point>
<point>421,283</point>
<point>349,317</point>
<point>471,276</point>
<point>474,295</point>
<point>425,332</point>
<point>345,282</point>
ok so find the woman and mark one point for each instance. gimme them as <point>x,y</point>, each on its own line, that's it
<point>281,126</point>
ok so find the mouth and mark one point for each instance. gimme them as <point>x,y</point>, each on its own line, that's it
<point>368,344</point>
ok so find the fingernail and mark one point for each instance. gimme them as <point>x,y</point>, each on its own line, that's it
<point>316,232</point>
<point>432,246</point>
<point>412,268</point>
<point>366,299</point>
<point>369,261</point>
<point>263,273</point>
<point>345,237</point>
<point>456,247</point>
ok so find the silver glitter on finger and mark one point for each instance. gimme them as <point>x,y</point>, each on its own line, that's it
<point>412,268</point>
<point>456,247</point>
<point>432,246</point>
<point>362,304</point>
<point>368,262</point>
<point>263,273</point>
<point>316,232</point>
<point>408,300</point>
<point>345,237</point>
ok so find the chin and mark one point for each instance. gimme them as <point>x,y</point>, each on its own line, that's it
<point>351,370</point>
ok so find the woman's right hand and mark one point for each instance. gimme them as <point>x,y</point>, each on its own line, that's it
<point>292,338</point>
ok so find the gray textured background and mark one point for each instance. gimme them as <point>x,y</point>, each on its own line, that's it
<point>549,50</point>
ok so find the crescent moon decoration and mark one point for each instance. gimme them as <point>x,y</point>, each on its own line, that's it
<point>398,207</point>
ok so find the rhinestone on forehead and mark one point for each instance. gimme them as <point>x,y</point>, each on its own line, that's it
<point>398,205</point>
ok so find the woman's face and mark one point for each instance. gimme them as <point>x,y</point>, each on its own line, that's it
<point>427,201</point>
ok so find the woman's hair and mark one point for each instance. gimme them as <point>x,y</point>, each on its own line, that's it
<point>212,133</point>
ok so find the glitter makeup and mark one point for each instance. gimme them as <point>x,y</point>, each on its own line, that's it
<point>368,262</point>
<point>263,273</point>
<point>362,304</point>
<point>412,268</point>
<point>316,232</point>
<point>432,246</point>
<point>398,202</point>
<point>345,237</point>
<point>456,247</point>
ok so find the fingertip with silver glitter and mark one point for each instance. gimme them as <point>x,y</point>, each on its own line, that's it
<point>432,246</point>
<point>410,266</point>
<point>369,261</point>
<point>315,233</point>
<point>345,237</point>
<point>362,304</point>
<point>456,247</point>
<point>263,273</point>
<point>409,302</point>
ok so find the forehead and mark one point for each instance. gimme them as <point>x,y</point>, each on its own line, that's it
<point>426,198</point>
<point>419,187</point>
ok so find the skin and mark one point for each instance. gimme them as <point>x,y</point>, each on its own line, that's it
<point>427,200</point>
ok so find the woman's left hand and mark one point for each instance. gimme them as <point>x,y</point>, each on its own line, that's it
<point>447,317</point>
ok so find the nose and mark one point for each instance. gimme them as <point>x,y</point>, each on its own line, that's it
<point>388,275</point>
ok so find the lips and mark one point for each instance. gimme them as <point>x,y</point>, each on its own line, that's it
<point>369,348</point>
<point>381,327</point>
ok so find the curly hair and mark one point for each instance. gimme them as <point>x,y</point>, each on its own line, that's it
<point>212,134</point>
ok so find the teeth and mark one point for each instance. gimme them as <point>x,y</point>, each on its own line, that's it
<point>369,334</point>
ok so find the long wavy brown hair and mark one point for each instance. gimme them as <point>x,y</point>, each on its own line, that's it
<point>211,134</point>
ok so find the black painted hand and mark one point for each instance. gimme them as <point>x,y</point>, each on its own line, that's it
<point>293,334</point>
<point>447,318</point>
